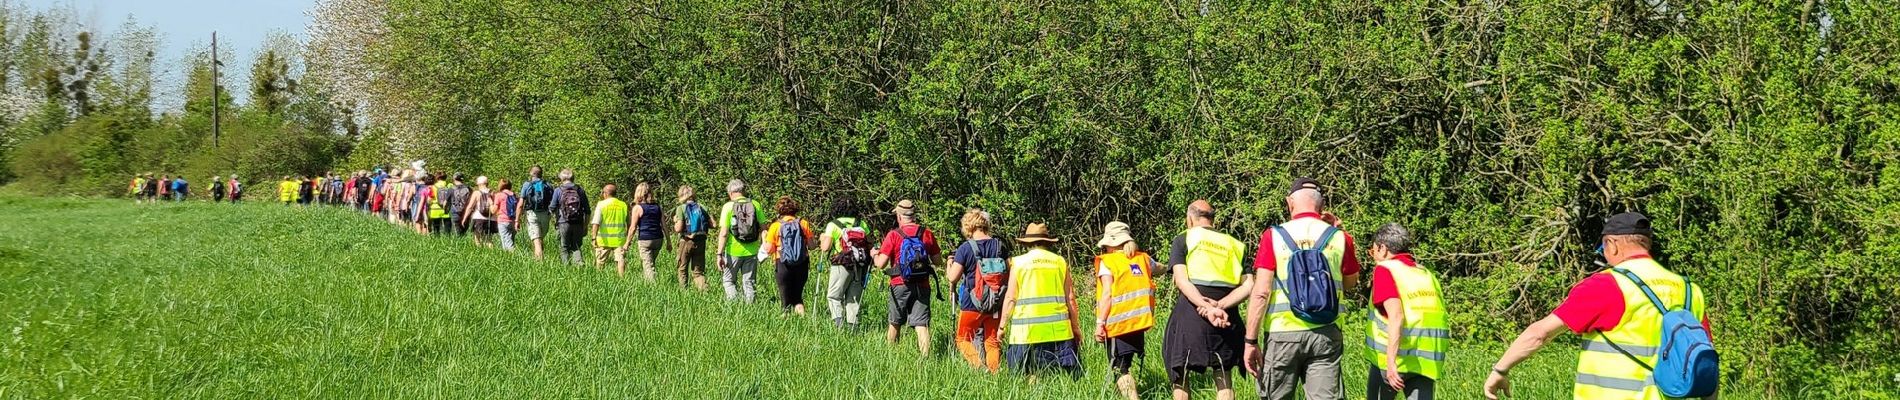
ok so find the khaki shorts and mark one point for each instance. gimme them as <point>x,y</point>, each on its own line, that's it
<point>535,223</point>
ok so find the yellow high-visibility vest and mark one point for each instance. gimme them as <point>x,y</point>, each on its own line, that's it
<point>1040,313</point>
<point>1130,295</point>
<point>287,191</point>
<point>1213,258</point>
<point>1605,373</point>
<point>613,223</point>
<point>436,211</point>
<point>1280,316</point>
<point>1425,336</point>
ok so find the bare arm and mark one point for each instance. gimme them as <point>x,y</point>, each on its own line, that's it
<point>632,219</point>
<point>1009,297</point>
<point>1237,295</point>
<point>1262,295</point>
<point>1075,314</point>
<point>1102,295</point>
<point>1350,281</point>
<point>1394,329</point>
<point>1527,343</point>
<point>1187,288</point>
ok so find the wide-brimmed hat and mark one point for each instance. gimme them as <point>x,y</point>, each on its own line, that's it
<point>1036,233</point>
<point>1114,235</point>
<point>905,208</point>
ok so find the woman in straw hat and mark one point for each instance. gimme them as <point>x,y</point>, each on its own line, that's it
<point>1039,312</point>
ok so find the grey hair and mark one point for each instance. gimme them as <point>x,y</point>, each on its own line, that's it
<point>735,186</point>
<point>1318,199</point>
<point>1394,237</point>
<point>567,174</point>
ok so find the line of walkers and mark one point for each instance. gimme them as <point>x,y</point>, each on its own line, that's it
<point>150,188</point>
<point>1017,305</point>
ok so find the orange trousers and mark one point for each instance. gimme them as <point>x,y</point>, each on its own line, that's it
<point>968,324</point>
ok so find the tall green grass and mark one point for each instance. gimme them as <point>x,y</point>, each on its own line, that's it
<point>108,299</point>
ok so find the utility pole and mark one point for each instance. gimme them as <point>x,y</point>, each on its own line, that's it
<point>215,113</point>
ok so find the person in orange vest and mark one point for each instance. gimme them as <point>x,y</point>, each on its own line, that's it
<point>1124,303</point>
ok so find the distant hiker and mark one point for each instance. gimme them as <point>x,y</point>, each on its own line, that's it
<point>1317,263</point>
<point>149,188</point>
<point>789,241</point>
<point>217,189</point>
<point>1203,334</point>
<point>507,208</point>
<point>337,188</point>
<point>848,242</point>
<point>457,200</point>
<point>236,189</point>
<point>397,200</point>
<point>1124,303</point>
<point>691,221</point>
<point>909,256</point>
<point>1628,314</point>
<point>434,191</point>
<point>646,222</point>
<point>287,191</point>
<point>363,191</point>
<point>479,214</point>
<point>979,270</point>
<point>1043,321</point>
<point>165,187</point>
<point>427,214</point>
<point>739,243</point>
<point>609,228</point>
<point>306,190</point>
<point>1406,356</point>
<point>136,189</point>
<point>537,198</point>
<point>570,213</point>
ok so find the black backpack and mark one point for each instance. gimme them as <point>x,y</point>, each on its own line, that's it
<point>745,222</point>
<point>573,208</point>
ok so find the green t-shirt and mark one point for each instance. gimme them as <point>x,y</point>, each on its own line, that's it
<point>734,247</point>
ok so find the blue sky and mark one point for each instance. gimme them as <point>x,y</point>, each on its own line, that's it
<point>241,26</point>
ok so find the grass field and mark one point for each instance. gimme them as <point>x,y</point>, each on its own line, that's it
<point>105,299</point>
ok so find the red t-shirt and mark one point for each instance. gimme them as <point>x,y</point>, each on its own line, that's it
<point>894,240</point>
<point>1383,287</point>
<point>1264,257</point>
<point>1596,304</point>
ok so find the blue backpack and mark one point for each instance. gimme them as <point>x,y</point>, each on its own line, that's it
<point>1309,283</point>
<point>791,242</point>
<point>536,194</point>
<point>1686,363</point>
<point>911,257</point>
<point>695,219</point>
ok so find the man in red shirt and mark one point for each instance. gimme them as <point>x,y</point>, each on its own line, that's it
<point>1595,305</point>
<point>910,278</point>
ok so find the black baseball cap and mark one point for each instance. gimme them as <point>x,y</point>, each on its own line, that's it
<point>1304,183</point>
<point>1628,223</point>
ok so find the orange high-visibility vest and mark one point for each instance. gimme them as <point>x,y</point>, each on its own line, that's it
<point>1130,295</point>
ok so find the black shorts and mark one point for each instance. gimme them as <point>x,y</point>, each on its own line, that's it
<point>1125,349</point>
<point>482,226</point>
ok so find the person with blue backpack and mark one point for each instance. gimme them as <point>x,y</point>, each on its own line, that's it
<point>1306,264</point>
<point>1212,279</point>
<point>537,197</point>
<point>1645,328</point>
<point>691,221</point>
<point>789,241</point>
<point>909,255</point>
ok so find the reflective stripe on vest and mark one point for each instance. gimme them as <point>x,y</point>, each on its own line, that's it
<point>1603,372</point>
<point>1424,332</point>
<point>1213,258</point>
<point>1040,313</point>
<point>613,223</point>
<point>1130,293</point>
<point>1280,317</point>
